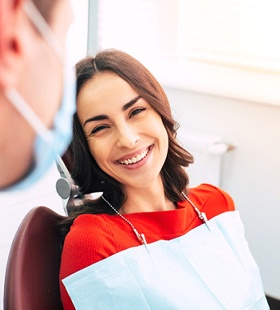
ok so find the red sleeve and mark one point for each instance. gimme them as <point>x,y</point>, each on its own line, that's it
<point>88,242</point>
<point>228,200</point>
<point>212,200</point>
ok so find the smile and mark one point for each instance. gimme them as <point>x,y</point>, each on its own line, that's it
<point>134,159</point>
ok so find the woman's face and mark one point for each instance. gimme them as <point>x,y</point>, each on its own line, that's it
<point>125,134</point>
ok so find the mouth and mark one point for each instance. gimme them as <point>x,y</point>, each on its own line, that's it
<point>135,159</point>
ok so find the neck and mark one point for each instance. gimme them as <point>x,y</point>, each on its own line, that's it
<point>148,199</point>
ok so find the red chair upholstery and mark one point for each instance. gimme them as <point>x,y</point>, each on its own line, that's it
<point>31,281</point>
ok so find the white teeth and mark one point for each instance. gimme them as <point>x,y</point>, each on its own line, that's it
<point>134,159</point>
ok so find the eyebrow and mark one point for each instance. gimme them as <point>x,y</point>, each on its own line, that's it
<point>104,116</point>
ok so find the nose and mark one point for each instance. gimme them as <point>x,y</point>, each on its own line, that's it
<point>127,137</point>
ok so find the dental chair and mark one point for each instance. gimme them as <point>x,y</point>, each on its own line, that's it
<point>32,272</point>
<point>31,280</point>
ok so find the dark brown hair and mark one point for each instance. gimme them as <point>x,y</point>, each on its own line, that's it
<point>86,172</point>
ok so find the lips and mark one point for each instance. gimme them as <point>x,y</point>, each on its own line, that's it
<point>134,159</point>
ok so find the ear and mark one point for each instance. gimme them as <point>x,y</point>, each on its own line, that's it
<point>10,57</point>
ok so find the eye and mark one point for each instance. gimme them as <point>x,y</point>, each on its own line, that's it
<point>97,129</point>
<point>136,111</point>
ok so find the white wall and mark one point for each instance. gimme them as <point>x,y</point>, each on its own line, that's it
<point>251,173</point>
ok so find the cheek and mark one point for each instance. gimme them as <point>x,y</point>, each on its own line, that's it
<point>165,142</point>
<point>158,128</point>
<point>95,154</point>
<point>100,153</point>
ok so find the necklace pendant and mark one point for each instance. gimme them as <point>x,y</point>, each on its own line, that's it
<point>201,215</point>
<point>144,242</point>
<point>204,218</point>
<point>142,239</point>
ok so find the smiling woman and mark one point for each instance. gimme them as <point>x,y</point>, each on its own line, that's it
<point>126,136</point>
<point>115,78</point>
<point>116,254</point>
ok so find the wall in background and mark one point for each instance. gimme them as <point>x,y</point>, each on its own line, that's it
<point>251,173</point>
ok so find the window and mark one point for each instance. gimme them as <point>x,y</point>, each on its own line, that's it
<point>78,32</point>
<point>226,48</point>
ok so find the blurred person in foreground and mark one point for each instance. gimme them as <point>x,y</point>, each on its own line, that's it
<point>37,89</point>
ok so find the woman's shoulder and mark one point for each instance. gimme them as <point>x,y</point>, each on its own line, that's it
<point>88,219</point>
<point>87,228</point>
<point>89,236</point>
<point>84,245</point>
<point>212,199</point>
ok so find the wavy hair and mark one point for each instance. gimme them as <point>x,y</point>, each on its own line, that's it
<point>86,173</point>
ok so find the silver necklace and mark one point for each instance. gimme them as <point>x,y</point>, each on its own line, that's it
<point>141,237</point>
<point>201,215</point>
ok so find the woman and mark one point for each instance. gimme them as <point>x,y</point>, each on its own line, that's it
<point>149,242</point>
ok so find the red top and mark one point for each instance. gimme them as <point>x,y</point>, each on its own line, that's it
<point>95,237</point>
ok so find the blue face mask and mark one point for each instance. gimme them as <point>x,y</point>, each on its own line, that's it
<point>49,143</point>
